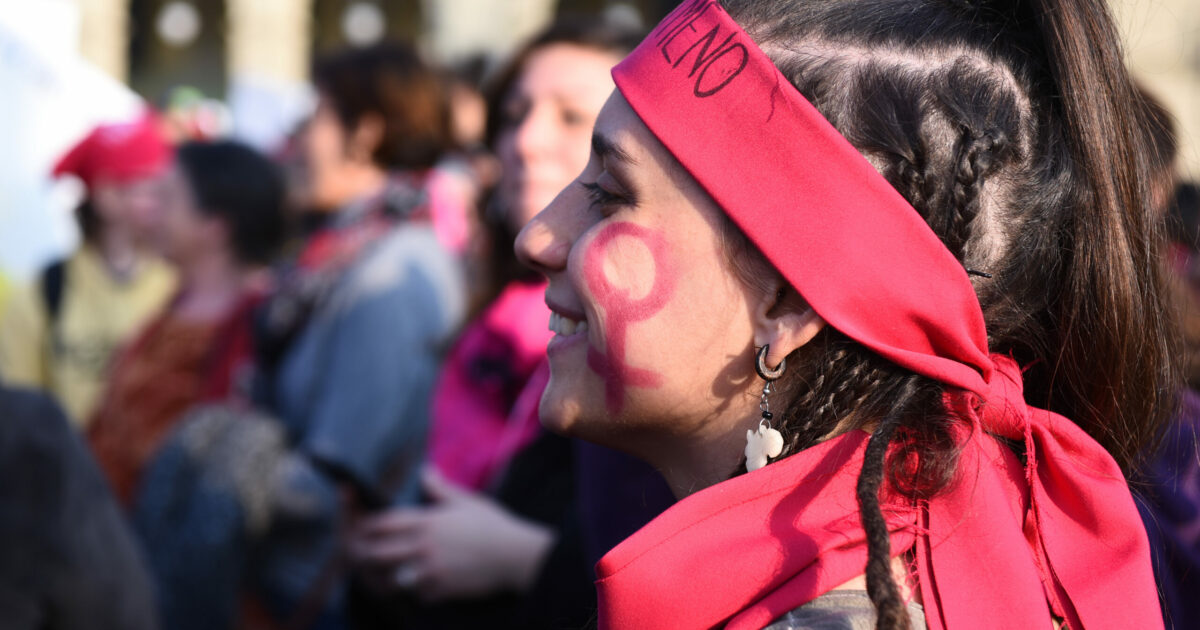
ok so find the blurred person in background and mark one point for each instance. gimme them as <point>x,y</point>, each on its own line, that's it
<point>5,290</point>
<point>220,223</point>
<point>67,559</point>
<point>457,182</point>
<point>1170,504</point>
<point>59,334</point>
<point>500,544</point>
<point>241,507</point>
<point>347,350</point>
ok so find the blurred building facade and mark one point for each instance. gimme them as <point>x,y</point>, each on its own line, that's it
<point>255,54</point>
<point>229,48</point>
<point>1162,44</point>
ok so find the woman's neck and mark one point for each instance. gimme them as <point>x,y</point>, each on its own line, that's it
<point>697,461</point>
<point>119,253</point>
<point>360,184</point>
<point>211,288</point>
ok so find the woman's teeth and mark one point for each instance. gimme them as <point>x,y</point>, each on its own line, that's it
<point>566,327</point>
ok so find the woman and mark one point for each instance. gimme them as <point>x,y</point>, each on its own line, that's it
<point>740,282</point>
<point>508,549</point>
<point>350,342</point>
<point>221,220</point>
<point>540,120</point>
<point>60,334</point>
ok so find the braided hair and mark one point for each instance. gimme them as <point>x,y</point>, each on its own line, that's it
<point>1014,129</point>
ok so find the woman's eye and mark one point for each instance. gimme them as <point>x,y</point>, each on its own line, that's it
<point>598,195</point>
<point>573,118</point>
<point>512,114</point>
<point>602,198</point>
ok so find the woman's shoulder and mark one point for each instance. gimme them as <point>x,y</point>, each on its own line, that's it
<point>840,610</point>
<point>410,247</point>
<point>408,265</point>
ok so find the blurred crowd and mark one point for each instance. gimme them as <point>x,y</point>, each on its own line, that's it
<point>300,390</point>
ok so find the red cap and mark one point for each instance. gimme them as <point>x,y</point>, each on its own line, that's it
<point>120,152</point>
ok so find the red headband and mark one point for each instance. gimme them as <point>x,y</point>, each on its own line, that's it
<point>861,256</point>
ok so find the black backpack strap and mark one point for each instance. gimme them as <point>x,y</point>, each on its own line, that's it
<point>54,279</point>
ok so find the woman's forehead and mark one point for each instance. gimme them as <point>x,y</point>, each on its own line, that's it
<point>625,135</point>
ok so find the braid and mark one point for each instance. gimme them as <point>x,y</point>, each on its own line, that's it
<point>881,588</point>
<point>849,377</point>
<point>974,160</point>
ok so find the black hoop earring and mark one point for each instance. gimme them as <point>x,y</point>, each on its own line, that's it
<point>760,365</point>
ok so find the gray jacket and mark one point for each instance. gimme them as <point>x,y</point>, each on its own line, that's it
<point>353,392</point>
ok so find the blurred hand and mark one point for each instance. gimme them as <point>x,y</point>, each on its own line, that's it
<point>464,545</point>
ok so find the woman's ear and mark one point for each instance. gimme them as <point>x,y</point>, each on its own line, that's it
<point>785,321</point>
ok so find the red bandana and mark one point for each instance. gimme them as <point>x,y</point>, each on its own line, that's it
<point>1005,545</point>
<point>118,152</point>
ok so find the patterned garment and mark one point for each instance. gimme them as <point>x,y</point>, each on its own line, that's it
<point>174,365</point>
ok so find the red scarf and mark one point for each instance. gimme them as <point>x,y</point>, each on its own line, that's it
<point>1002,547</point>
<point>1005,545</point>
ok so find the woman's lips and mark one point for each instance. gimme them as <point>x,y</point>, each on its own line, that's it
<point>567,324</point>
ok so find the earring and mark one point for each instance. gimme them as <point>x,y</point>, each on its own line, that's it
<point>760,365</point>
<point>767,442</point>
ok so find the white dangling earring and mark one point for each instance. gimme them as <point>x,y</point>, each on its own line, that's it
<point>767,442</point>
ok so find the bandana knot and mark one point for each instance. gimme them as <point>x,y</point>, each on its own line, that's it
<point>1003,411</point>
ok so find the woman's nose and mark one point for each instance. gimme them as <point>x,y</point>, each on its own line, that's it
<point>544,243</point>
<point>534,135</point>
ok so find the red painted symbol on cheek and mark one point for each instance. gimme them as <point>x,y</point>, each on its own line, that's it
<point>621,309</point>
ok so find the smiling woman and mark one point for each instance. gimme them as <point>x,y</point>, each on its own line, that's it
<point>903,219</point>
<point>502,540</point>
<point>647,271</point>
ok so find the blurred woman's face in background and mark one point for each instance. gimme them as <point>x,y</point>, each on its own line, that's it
<point>183,232</point>
<point>129,206</point>
<point>545,134</point>
<point>335,164</point>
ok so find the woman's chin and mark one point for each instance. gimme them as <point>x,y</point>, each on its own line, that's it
<point>559,414</point>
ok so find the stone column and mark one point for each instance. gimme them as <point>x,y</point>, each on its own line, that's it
<point>459,28</point>
<point>269,38</point>
<point>104,35</point>
<point>268,48</point>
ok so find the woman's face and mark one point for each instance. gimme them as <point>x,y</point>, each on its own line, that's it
<point>182,232</point>
<point>654,330</point>
<point>330,163</point>
<point>129,206</point>
<point>547,124</point>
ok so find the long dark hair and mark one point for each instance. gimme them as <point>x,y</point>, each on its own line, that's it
<point>1016,132</point>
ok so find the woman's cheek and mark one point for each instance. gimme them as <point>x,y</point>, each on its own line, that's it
<point>631,275</point>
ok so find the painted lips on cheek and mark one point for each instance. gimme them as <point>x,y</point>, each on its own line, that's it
<point>622,308</point>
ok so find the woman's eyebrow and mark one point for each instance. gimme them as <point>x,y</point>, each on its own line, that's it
<point>605,148</point>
